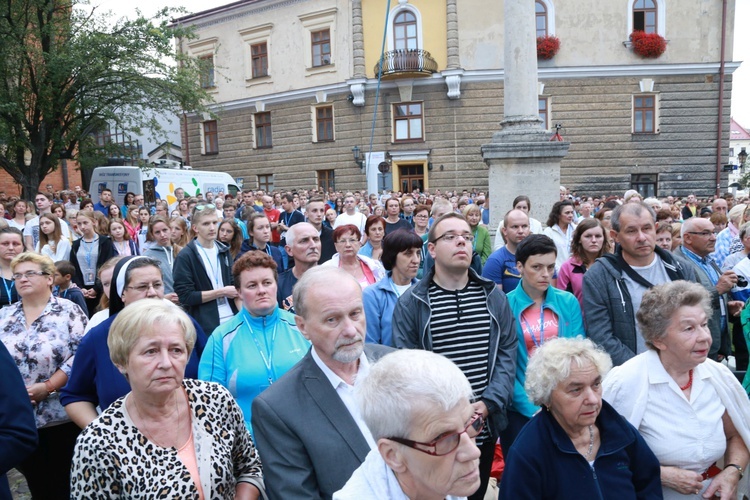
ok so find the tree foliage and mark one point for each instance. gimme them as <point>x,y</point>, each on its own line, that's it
<point>66,69</point>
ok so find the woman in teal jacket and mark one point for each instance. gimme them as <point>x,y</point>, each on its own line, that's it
<point>542,312</point>
<point>260,343</point>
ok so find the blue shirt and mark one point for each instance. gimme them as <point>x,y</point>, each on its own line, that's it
<point>248,353</point>
<point>501,268</point>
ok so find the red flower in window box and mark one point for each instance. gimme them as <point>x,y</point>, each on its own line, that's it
<point>650,45</point>
<point>547,47</point>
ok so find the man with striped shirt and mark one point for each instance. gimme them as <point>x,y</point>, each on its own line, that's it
<point>454,312</point>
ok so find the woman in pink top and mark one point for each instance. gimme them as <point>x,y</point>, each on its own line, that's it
<point>589,242</point>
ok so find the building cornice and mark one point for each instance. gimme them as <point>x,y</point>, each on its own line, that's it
<point>642,70</point>
<point>232,11</point>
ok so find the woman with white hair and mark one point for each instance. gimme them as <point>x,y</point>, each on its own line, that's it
<point>417,405</point>
<point>577,446</point>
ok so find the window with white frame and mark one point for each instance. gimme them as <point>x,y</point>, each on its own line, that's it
<point>210,137</point>
<point>408,122</point>
<point>647,15</point>
<point>256,46</point>
<point>323,123</point>
<point>544,111</point>
<point>541,18</point>
<point>205,52</point>
<point>319,40</point>
<point>645,113</point>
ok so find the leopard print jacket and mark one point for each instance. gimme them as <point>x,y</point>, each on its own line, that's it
<point>113,459</point>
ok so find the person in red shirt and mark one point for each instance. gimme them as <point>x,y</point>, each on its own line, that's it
<point>273,217</point>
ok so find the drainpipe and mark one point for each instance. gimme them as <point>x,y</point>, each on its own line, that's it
<point>720,129</point>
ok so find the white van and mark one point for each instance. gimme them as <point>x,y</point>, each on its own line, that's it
<point>162,182</point>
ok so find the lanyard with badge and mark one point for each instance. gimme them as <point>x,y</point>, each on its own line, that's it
<point>537,343</point>
<point>9,289</point>
<point>88,248</point>
<point>267,360</point>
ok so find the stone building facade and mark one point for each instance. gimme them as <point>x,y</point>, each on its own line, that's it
<point>296,89</point>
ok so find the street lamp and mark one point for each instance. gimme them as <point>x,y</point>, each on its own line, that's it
<point>742,158</point>
<point>358,158</point>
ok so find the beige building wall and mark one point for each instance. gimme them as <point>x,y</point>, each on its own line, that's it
<point>286,28</point>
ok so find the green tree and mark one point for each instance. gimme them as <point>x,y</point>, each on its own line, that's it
<point>65,69</point>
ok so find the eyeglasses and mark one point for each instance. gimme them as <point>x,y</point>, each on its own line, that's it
<point>421,216</point>
<point>351,241</point>
<point>28,275</point>
<point>704,234</point>
<point>144,288</point>
<point>448,443</point>
<point>450,237</point>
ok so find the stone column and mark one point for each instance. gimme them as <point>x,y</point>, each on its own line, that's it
<point>521,158</point>
<point>454,60</point>
<point>358,40</point>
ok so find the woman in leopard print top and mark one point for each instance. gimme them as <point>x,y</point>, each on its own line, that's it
<point>169,437</point>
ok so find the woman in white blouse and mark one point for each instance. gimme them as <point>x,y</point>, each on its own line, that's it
<point>52,243</point>
<point>691,411</point>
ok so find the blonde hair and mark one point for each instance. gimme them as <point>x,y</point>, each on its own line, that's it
<point>143,316</point>
<point>46,265</point>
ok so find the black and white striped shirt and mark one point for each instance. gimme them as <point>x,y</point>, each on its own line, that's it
<point>460,328</point>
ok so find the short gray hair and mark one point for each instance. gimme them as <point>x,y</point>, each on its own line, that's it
<point>629,209</point>
<point>550,365</point>
<point>744,230</point>
<point>318,276</point>
<point>140,317</point>
<point>406,383</point>
<point>688,225</point>
<point>661,302</point>
<point>291,233</point>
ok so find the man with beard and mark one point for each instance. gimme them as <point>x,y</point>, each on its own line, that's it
<point>308,429</point>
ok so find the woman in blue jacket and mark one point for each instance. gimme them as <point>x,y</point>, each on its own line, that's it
<point>401,256</point>
<point>260,343</point>
<point>542,312</point>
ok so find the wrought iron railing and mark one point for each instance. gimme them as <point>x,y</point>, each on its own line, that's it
<point>412,61</point>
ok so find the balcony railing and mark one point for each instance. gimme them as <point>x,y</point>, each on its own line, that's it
<point>411,63</point>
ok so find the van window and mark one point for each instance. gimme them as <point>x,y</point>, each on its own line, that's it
<point>233,190</point>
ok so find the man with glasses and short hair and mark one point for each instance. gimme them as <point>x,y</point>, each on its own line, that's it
<point>455,312</point>
<point>698,241</point>
<point>307,426</point>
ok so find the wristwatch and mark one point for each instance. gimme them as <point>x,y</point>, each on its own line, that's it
<point>742,472</point>
<point>51,390</point>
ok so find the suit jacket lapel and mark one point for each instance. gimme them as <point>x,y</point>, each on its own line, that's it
<point>333,408</point>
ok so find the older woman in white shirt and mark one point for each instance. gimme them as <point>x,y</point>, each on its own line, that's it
<point>691,411</point>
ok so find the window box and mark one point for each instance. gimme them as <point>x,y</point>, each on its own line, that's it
<point>547,47</point>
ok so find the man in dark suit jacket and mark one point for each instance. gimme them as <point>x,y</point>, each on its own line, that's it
<point>307,427</point>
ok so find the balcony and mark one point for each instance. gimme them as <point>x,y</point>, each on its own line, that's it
<point>406,64</point>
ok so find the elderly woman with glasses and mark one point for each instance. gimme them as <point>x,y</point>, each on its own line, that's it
<point>203,272</point>
<point>94,380</point>
<point>365,270</point>
<point>417,405</point>
<point>577,446</point>
<point>42,334</point>
<point>692,411</point>
<point>168,436</point>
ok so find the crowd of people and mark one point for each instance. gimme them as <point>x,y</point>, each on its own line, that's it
<point>313,344</point>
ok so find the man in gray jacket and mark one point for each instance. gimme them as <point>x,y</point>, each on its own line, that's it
<point>614,285</point>
<point>454,312</point>
<point>698,241</point>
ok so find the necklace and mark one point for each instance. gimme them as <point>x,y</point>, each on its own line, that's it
<point>690,382</point>
<point>143,422</point>
<point>591,441</point>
